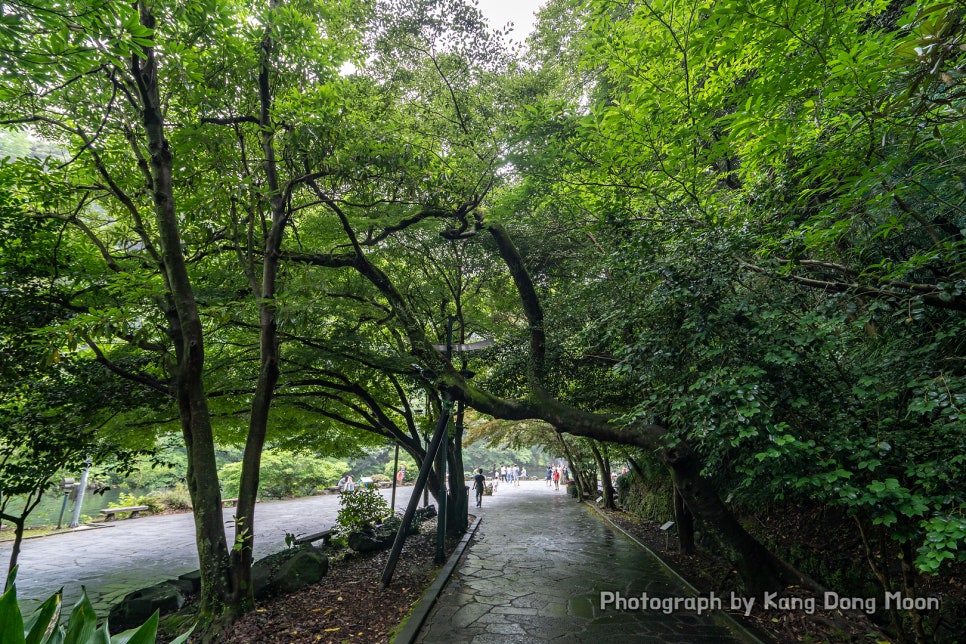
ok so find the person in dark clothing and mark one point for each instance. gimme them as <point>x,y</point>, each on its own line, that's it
<point>479,483</point>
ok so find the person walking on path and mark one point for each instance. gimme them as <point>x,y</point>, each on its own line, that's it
<point>549,476</point>
<point>479,483</point>
<point>556,479</point>
<point>516,475</point>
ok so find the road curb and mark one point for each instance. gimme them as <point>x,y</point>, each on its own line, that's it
<point>407,634</point>
<point>722,617</point>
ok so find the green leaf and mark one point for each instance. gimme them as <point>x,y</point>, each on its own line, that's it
<point>43,621</point>
<point>11,621</point>
<point>181,639</point>
<point>146,633</point>
<point>82,621</point>
<point>103,636</point>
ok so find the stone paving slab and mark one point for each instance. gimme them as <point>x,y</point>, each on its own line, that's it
<point>535,572</point>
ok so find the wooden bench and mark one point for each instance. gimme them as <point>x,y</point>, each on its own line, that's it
<point>229,502</point>
<point>325,536</point>
<point>135,510</point>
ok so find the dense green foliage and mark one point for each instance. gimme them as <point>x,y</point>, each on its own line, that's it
<point>734,225</point>
<point>284,475</point>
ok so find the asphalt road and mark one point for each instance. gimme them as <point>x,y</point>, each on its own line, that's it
<point>130,554</point>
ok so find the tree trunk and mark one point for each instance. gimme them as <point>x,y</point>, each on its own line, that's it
<point>185,329</point>
<point>457,518</point>
<point>264,291</point>
<point>18,528</point>
<point>760,569</point>
<point>606,487</point>
<point>579,479</point>
<point>685,522</point>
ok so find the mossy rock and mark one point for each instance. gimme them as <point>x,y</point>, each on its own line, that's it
<point>288,571</point>
<point>137,607</point>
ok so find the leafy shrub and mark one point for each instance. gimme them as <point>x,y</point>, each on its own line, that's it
<point>285,474</point>
<point>175,498</point>
<point>80,628</point>
<point>380,478</point>
<point>126,500</point>
<point>362,508</point>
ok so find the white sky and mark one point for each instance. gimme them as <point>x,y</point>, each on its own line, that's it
<point>519,12</point>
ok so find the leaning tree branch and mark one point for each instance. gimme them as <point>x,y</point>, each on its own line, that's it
<point>144,379</point>
<point>930,295</point>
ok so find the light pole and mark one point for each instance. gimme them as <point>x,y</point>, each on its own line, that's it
<point>66,485</point>
<point>436,446</point>
<point>395,473</point>
<point>80,494</point>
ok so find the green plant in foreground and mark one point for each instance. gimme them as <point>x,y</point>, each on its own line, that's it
<point>81,627</point>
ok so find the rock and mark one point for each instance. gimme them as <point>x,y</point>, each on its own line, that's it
<point>288,570</point>
<point>138,606</point>
<point>305,568</point>
<point>370,540</point>
<point>425,513</point>
<point>188,583</point>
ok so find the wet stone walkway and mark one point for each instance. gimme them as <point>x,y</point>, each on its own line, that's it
<point>535,572</point>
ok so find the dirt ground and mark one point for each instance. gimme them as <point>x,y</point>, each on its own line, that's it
<point>349,604</point>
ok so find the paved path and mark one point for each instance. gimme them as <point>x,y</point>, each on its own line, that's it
<point>535,572</point>
<point>134,553</point>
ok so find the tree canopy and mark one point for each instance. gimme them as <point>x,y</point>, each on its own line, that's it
<point>730,233</point>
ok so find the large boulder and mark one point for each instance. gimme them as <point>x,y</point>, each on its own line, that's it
<point>138,606</point>
<point>288,570</point>
<point>422,514</point>
<point>188,583</point>
<point>370,540</point>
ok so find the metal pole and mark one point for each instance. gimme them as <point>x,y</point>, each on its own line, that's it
<point>441,517</point>
<point>443,458</point>
<point>63,507</point>
<point>395,471</point>
<point>427,465</point>
<point>80,495</point>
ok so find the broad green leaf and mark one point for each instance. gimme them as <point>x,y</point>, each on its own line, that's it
<point>43,621</point>
<point>146,633</point>
<point>11,621</point>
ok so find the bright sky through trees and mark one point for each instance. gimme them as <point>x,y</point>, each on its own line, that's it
<point>519,12</point>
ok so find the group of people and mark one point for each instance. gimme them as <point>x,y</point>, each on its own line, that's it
<point>509,473</point>
<point>347,483</point>
<point>512,474</point>
<point>554,474</point>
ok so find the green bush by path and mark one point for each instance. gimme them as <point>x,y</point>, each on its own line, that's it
<point>361,508</point>
<point>284,474</point>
